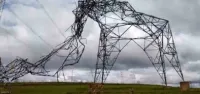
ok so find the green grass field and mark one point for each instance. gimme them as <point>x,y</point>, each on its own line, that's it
<point>82,88</point>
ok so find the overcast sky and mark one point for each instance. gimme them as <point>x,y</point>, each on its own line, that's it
<point>182,15</point>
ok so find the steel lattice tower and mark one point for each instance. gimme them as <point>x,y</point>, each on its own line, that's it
<point>159,35</point>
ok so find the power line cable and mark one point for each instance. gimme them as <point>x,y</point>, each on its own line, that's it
<point>30,28</point>
<point>50,18</point>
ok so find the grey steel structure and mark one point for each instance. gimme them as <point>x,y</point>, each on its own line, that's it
<point>157,41</point>
<point>158,35</point>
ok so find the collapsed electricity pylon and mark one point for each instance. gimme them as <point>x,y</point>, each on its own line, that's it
<point>158,35</point>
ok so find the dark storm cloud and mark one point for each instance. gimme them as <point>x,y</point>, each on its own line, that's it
<point>193,66</point>
<point>122,63</point>
<point>125,63</point>
<point>190,55</point>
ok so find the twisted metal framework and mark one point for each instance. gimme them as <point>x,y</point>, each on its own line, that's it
<point>112,16</point>
<point>20,67</point>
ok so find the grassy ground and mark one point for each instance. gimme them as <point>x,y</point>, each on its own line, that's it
<point>80,88</point>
